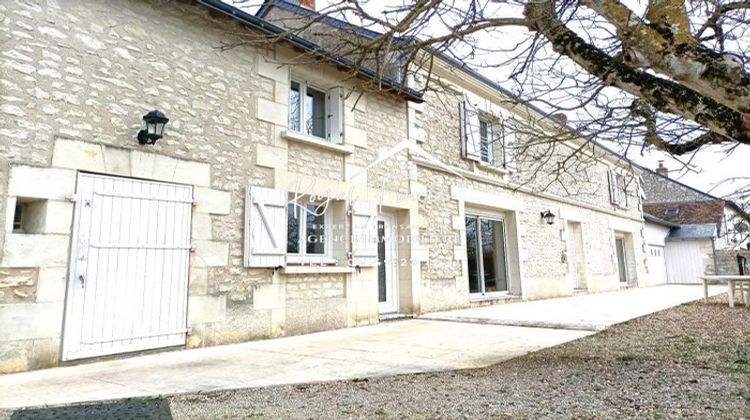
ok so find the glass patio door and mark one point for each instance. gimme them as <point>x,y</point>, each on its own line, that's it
<point>485,251</point>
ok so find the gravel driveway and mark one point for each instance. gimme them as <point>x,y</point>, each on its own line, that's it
<point>692,361</point>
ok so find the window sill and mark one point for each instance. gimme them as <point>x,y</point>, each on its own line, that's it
<point>310,260</point>
<point>490,297</point>
<point>491,167</point>
<point>316,269</point>
<point>317,142</point>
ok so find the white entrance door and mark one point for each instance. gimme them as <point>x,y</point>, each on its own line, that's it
<point>656,264</point>
<point>684,262</point>
<point>387,264</point>
<point>127,285</point>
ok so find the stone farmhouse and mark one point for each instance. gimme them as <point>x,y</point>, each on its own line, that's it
<point>689,232</point>
<point>266,199</point>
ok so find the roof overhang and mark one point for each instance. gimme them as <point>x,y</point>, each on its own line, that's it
<point>311,48</point>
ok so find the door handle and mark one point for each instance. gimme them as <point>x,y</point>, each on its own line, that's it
<point>82,280</point>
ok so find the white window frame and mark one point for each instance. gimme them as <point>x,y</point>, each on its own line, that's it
<point>486,145</point>
<point>495,218</point>
<point>302,257</point>
<point>482,151</point>
<point>303,86</point>
<point>493,136</point>
<point>618,192</point>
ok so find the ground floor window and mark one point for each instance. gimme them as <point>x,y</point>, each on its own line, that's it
<point>486,255</point>
<point>306,229</point>
<point>622,259</point>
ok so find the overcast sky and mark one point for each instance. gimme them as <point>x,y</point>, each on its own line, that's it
<point>710,166</point>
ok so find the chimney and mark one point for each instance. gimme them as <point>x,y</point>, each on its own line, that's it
<point>561,117</point>
<point>307,4</point>
<point>661,169</point>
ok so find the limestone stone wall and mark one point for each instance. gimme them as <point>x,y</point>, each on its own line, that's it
<point>540,268</point>
<point>726,261</point>
<point>77,77</point>
<point>584,181</point>
<point>4,168</point>
<point>661,189</point>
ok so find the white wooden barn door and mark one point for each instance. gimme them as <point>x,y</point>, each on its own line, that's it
<point>685,262</point>
<point>128,279</point>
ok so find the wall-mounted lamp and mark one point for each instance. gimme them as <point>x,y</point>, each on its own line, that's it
<point>548,217</point>
<point>155,122</point>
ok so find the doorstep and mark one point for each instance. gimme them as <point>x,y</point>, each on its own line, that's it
<point>493,300</point>
<point>395,316</point>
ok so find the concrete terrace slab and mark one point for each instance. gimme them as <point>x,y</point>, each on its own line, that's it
<point>592,312</point>
<point>386,349</point>
<point>410,346</point>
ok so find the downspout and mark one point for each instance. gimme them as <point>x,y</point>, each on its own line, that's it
<point>713,250</point>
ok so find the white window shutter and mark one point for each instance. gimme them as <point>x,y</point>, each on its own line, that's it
<point>265,227</point>
<point>473,145</point>
<point>510,145</point>
<point>364,234</point>
<point>614,191</point>
<point>462,127</point>
<point>335,113</point>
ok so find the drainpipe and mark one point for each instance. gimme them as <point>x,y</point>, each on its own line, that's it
<point>713,250</point>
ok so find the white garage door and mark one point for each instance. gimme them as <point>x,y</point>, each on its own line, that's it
<point>656,265</point>
<point>127,287</point>
<point>684,262</point>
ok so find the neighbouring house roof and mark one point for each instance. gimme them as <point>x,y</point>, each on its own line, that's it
<point>688,212</point>
<point>664,192</point>
<point>458,64</point>
<point>310,47</point>
<point>660,221</point>
<point>693,231</point>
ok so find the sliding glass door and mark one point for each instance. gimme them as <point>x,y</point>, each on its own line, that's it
<point>485,252</point>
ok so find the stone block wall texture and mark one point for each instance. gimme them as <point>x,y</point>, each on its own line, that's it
<point>536,166</point>
<point>4,171</point>
<point>543,248</point>
<point>76,78</point>
<point>661,189</point>
<point>726,261</point>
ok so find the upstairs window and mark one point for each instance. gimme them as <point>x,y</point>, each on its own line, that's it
<point>315,112</point>
<point>483,138</point>
<point>618,188</point>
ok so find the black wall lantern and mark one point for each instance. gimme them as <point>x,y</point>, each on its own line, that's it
<point>155,122</point>
<point>548,217</point>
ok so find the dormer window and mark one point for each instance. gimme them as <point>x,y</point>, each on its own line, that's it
<point>671,212</point>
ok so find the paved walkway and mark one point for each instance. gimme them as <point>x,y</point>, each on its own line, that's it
<point>593,312</point>
<point>385,349</point>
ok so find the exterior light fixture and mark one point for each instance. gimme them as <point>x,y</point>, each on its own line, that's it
<point>548,217</point>
<point>155,122</point>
